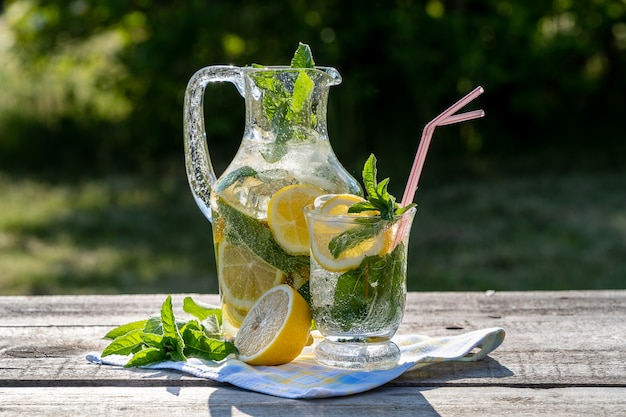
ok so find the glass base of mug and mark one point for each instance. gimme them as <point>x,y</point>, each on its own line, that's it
<point>357,354</point>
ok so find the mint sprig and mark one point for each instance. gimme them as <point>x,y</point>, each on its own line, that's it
<point>378,198</point>
<point>162,337</point>
<point>287,107</point>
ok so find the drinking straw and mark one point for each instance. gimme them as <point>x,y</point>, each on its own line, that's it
<point>446,118</point>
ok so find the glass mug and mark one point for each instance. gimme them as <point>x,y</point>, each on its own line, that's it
<point>358,294</point>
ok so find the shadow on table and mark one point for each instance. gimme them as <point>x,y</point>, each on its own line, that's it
<point>450,372</point>
<point>231,400</point>
<point>388,401</point>
<point>403,396</point>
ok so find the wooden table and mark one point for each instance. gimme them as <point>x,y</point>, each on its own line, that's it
<point>564,354</point>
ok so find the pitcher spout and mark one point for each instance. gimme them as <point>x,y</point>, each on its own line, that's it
<point>334,75</point>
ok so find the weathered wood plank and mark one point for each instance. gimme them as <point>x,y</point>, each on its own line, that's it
<point>451,309</point>
<point>100,310</point>
<point>58,356</point>
<point>500,369</point>
<point>396,401</point>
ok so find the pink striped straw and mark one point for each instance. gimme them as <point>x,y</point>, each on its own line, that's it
<point>446,118</point>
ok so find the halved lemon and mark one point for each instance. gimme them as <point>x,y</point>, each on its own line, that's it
<point>276,328</point>
<point>243,276</point>
<point>286,219</point>
<point>323,232</point>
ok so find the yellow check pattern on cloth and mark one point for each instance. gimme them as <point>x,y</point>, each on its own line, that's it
<point>304,378</point>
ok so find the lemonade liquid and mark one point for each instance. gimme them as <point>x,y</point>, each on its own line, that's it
<point>366,302</point>
<point>241,232</point>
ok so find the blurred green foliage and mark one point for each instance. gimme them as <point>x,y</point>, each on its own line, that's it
<point>128,234</point>
<point>93,89</point>
<point>97,85</point>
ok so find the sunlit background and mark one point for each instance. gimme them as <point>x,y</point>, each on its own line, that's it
<point>93,194</point>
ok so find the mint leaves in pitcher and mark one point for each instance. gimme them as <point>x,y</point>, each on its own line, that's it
<point>287,103</point>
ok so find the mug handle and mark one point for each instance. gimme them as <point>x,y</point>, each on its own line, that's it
<point>200,172</point>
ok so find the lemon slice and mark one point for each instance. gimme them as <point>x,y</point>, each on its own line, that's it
<point>286,219</point>
<point>243,276</point>
<point>323,232</point>
<point>232,315</point>
<point>338,204</point>
<point>350,258</point>
<point>276,329</point>
<point>218,230</point>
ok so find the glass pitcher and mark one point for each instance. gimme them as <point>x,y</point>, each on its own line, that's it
<point>284,161</point>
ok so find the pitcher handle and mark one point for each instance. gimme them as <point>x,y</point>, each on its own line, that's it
<point>200,172</point>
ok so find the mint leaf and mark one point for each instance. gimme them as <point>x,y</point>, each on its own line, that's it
<point>362,206</point>
<point>241,228</point>
<point>212,327</point>
<point>392,285</point>
<point>275,95</point>
<point>369,175</point>
<point>201,312</point>
<point>230,178</point>
<point>172,340</point>
<point>350,302</point>
<point>153,325</point>
<point>152,340</point>
<point>124,328</point>
<point>303,57</point>
<point>124,344</point>
<point>146,356</point>
<point>302,90</point>
<point>401,210</point>
<point>197,344</point>
<point>167,319</point>
<point>191,324</point>
<point>208,327</point>
<point>353,237</point>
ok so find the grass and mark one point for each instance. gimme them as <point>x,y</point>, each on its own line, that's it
<point>546,232</point>
<point>140,235</point>
<point>116,235</point>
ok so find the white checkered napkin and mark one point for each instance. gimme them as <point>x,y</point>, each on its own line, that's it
<point>304,378</point>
